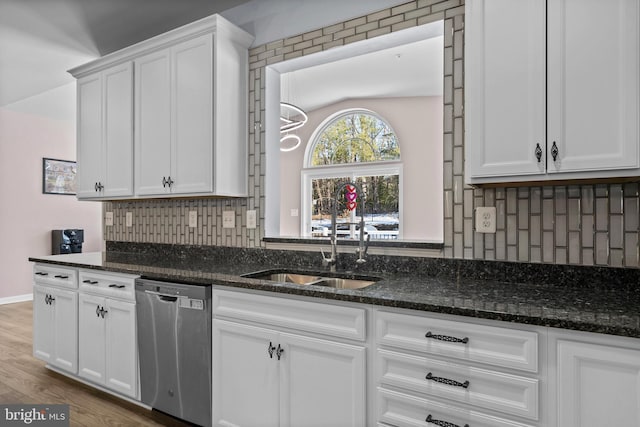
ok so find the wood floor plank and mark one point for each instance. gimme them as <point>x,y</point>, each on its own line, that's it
<point>25,379</point>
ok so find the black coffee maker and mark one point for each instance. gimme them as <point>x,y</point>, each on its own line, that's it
<point>67,241</point>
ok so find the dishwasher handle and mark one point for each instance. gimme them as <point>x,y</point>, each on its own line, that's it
<point>163,297</point>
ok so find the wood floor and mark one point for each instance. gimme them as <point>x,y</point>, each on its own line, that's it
<point>24,379</point>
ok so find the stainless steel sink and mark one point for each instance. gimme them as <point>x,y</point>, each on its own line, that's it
<point>318,279</point>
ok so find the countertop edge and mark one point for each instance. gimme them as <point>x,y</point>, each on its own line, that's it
<point>363,298</point>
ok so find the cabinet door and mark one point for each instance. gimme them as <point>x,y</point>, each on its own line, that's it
<point>192,115</point>
<point>598,385</point>
<point>91,338</point>
<point>43,332</point>
<point>65,324</point>
<point>121,350</point>
<point>89,144</point>
<point>245,375</point>
<point>152,122</point>
<point>504,88</point>
<point>322,383</point>
<point>593,96</point>
<point>117,153</point>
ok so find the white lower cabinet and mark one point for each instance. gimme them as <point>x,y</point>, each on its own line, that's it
<point>436,370</point>
<point>107,333</point>
<point>55,327</point>
<point>275,376</point>
<point>597,379</point>
<point>55,316</point>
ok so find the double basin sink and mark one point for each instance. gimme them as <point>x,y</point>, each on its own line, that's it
<point>331,280</point>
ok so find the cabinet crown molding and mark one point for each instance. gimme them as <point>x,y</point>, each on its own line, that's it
<point>211,24</point>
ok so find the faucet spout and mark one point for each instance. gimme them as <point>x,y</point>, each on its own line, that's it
<point>362,248</point>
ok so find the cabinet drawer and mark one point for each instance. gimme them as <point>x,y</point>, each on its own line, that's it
<point>55,276</point>
<point>486,389</point>
<point>121,286</point>
<point>401,410</point>
<point>502,347</point>
<point>321,318</point>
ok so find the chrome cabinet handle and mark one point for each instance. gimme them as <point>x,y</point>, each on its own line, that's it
<point>447,338</point>
<point>279,351</point>
<point>554,151</point>
<point>441,423</point>
<point>538,153</point>
<point>270,349</point>
<point>447,381</point>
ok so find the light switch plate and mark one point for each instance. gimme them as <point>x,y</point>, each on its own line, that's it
<point>251,219</point>
<point>193,219</point>
<point>129,219</point>
<point>486,219</point>
<point>228,219</point>
<point>108,219</point>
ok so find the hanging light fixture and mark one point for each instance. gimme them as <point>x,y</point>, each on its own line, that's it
<point>291,118</point>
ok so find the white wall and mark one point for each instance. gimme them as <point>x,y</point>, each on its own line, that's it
<point>417,122</point>
<point>37,127</point>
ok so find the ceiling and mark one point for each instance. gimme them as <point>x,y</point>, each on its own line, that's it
<point>412,69</point>
<point>41,39</point>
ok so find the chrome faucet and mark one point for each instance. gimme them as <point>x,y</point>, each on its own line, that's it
<point>332,261</point>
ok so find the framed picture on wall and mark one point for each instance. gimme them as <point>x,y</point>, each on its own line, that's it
<point>58,177</point>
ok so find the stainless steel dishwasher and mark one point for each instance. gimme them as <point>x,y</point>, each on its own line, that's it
<point>174,347</point>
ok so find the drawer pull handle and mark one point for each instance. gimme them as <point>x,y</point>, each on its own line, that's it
<point>447,338</point>
<point>440,423</point>
<point>91,282</point>
<point>61,276</point>
<point>271,349</point>
<point>116,286</point>
<point>40,273</point>
<point>447,381</point>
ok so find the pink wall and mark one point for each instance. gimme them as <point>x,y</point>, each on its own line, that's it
<point>42,126</point>
<point>417,122</point>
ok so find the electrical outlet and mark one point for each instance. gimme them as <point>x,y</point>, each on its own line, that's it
<point>486,220</point>
<point>228,219</point>
<point>129,219</point>
<point>193,219</point>
<point>251,219</point>
<point>108,219</point>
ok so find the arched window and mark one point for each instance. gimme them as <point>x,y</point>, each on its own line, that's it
<point>353,146</point>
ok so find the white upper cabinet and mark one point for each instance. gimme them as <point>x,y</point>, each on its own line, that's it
<point>174,119</point>
<point>505,88</point>
<point>105,133</point>
<point>189,106</point>
<point>551,90</point>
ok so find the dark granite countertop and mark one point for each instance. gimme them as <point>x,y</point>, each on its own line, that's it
<point>593,299</point>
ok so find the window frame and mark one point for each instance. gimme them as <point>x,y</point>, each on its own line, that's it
<point>342,170</point>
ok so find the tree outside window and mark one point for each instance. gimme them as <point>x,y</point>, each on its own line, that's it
<point>355,146</point>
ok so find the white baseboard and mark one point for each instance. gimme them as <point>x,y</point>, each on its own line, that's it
<point>16,298</point>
